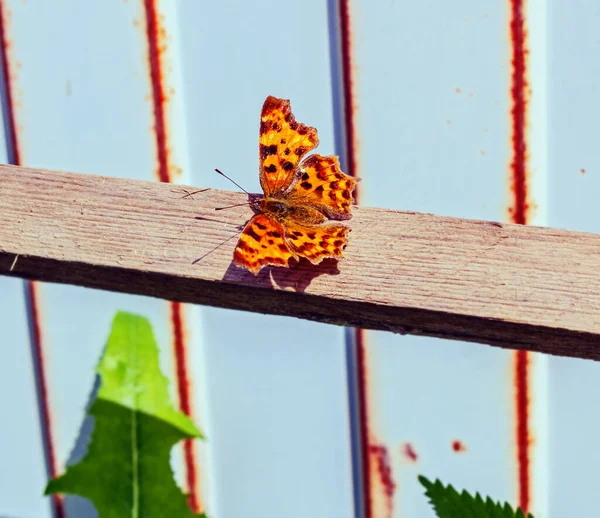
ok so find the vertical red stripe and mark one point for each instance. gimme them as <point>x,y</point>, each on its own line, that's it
<point>363,412</point>
<point>44,405</point>
<point>11,125</point>
<point>348,84</point>
<point>184,399</point>
<point>522,431</point>
<point>159,98</point>
<point>154,33</point>
<point>345,25</point>
<point>519,113</point>
<point>519,214</point>
<point>31,287</point>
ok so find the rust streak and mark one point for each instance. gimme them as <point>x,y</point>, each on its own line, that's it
<point>409,452</point>
<point>522,427</point>
<point>363,413</point>
<point>155,36</point>
<point>519,209</point>
<point>13,144</point>
<point>183,390</point>
<point>349,112</point>
<point>159,97</point>
<point>349,94</point>
<point>385,474</point>
<point>519,213</point>
<point>42,389</point>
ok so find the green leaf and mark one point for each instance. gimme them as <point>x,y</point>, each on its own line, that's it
<point>126,472</point>
<point>448,503</point>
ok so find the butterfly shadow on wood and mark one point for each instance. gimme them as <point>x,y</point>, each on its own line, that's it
<point>297,277</point>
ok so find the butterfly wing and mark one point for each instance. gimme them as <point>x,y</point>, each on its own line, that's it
<point>283,143</point>
<point>322,185</point>
<point>262,243</point>
<point>317,242</point>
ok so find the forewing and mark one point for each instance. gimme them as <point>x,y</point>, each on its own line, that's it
<point>262,243</point>
<point>323,185</point>
<point>282,144</point>
<point>317,242</point>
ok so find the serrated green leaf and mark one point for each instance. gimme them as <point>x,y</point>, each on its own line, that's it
<point>126,472</point>
<point>448,503</point>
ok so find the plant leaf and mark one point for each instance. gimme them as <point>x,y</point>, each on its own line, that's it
<point>448,503</point>
<point>126,472</point>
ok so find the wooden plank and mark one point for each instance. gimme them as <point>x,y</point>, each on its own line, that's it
<point>507,285</point>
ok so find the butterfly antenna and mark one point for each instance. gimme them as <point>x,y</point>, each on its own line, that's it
<point>232,181</point>
<point>217,247</point>
<point>231,206</point>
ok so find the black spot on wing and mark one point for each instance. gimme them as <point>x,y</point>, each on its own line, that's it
<point>266,151</point>
<point>250,232</point>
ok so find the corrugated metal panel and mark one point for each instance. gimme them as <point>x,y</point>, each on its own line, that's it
<point>86,106</point>
<point>101,110</point>
<point>437,110</point>
<point>434,103</point>
<point>276,387</point>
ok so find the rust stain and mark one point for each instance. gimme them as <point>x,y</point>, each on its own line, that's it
<point>156,38</point>
<point>458,446</point>
<point>382,479</point>
<point>519,90</point>
<point>409,452</point>
<point>37,339</point>
<point>9,77</point>
<point>350,102</point>
<point>363,410</point>
<point>185,403</point>
<point>379,485</point>
<point>520,213</point>
<point>373,461</point>
<point>522,432</point>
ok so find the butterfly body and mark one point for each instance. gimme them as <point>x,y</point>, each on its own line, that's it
<point>303,200</point>
<point>283,211</point>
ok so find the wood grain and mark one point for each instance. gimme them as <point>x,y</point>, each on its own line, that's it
<point>507,285</point>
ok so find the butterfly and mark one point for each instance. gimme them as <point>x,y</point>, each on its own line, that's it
<point>303,199</point>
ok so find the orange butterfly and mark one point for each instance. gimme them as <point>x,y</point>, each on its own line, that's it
<point>300,198</point>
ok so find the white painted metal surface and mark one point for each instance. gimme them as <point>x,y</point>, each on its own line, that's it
<point>432,85</point>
